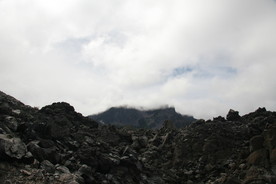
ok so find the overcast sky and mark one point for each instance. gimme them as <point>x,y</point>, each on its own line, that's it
<point>201,56</point>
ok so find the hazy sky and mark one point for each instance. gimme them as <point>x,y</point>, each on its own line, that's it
<point>201,56</point>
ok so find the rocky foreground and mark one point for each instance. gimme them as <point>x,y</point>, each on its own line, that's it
<point>58,145</point>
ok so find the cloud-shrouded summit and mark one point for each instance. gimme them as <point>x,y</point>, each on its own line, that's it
<point>202,57</point>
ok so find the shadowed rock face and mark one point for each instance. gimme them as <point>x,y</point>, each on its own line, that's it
<point>149,119</point>
<point>58,145</point>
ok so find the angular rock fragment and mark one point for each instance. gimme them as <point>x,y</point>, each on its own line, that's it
<point>11,147</point>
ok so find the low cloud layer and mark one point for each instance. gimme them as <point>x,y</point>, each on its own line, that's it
<point>203,57</point>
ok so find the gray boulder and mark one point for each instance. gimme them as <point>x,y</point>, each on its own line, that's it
<point>12,147</point>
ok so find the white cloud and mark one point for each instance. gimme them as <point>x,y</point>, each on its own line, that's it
<point>203,57</point>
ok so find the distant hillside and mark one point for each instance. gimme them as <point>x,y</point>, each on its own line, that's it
<point>142,118</point>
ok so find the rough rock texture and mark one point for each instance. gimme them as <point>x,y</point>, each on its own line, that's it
<point>56,145</point>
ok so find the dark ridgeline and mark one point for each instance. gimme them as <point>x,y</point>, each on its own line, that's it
<point>149,119</point>
<point>59,146</point>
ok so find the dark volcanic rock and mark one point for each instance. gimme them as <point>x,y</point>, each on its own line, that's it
<point>233,115</point>
<point>58,145</point>
<point>41,154</point>
<point>13,148</point>
<point>60,119</point>
<point>256,143</point>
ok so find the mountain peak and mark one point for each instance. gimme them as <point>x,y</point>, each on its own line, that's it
<point>153,118</point>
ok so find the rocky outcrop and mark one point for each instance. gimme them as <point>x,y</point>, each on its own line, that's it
<point>12,148</point>
<point>233,115</point>
<point>58,145</point>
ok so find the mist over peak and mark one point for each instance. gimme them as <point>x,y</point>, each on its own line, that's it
<point>142,118</point>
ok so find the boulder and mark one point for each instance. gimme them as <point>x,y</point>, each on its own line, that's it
<point>86,173</point>
<point>259,158</point>
<point>258,175</point>
<point>46,143</point>
<point>68,178</point>
<point>62,169</point>
<point>197,123</point>
<point>261,110</point>
<point>5,109</point>
<point>273,160</point>
<point>12,148</point>
<point>47,166</point>
<point>87,154</point>
<point>107,162</point>
<point>270,138</point>
<point>11,123</point>
<point>58,131</point>
<point>219,119</point>
<point>233,115</point>
<point>41,154</point>
<point>256,143</point>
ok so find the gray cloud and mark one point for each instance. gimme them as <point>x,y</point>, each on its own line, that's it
<point>203,57</point>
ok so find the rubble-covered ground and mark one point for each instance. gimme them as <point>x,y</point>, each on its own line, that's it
<point>58,145</point>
